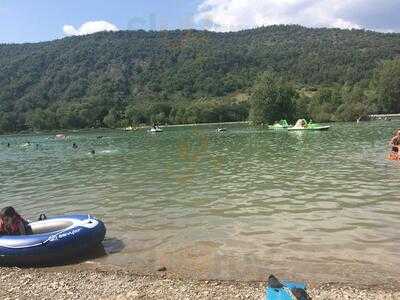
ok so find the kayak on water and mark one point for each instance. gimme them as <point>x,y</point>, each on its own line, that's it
<point>301,124</point>
<point>54,241</point>
<point>282,124</point>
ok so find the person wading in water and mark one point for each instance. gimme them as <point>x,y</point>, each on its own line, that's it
<point>395,143</point>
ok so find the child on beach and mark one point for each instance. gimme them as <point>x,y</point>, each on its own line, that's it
<point>11,223</point>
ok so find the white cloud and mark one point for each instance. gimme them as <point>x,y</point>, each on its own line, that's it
<point>89,28</point>
<point>232,15</point>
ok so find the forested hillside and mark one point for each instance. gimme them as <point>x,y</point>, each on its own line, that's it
<point>121,78</point>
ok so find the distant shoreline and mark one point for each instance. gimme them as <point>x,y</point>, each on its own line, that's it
<point>203,124</point>
<point>220,124</point>
<point>53,131</point>
<point>190,125</point>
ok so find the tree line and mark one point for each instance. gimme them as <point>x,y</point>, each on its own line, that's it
<point>116,79</point>
<point>274,99</point>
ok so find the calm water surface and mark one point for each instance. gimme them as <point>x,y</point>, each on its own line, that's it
<point>237,205</point>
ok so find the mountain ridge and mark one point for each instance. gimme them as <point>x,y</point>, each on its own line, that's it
<point>109,71</point>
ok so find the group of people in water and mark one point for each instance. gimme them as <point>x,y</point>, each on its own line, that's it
<point>394,141</point>
<point>76,147</point>
<point>11,223</point>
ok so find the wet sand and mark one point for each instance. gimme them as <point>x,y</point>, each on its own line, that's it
<point>95,282</point>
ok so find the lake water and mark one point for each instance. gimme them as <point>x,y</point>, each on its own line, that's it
<point>234,205</point>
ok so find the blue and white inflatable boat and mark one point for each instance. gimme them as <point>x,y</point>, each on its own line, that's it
<point>53,240</point>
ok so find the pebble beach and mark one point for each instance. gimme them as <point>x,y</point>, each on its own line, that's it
<point>97,283</point>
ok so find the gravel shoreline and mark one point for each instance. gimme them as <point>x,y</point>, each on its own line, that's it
<point>67,283</point>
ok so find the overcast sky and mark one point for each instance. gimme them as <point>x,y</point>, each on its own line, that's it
<point>41,20</point>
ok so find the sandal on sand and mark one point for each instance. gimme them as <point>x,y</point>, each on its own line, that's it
<point>285,290</point>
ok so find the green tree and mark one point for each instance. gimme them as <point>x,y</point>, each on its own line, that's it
<point>272,100</point>
<point>6,123</point>
<point>386,84</point>
<point>135,116</point>
<point>324,104</point>
<point>112,119</point>
<point>355,104</point>
<point>42,119</point>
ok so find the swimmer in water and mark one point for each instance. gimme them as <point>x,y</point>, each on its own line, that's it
<point>395,142</point>
<point>92,152</point>
<point>75,146</point>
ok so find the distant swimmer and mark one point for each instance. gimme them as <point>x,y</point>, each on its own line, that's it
<point>100,137</point>
<point>8,145</point>
<point>75,146</point>
<point>92,152</point>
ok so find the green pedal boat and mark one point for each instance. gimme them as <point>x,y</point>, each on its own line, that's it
<point>303,125</point>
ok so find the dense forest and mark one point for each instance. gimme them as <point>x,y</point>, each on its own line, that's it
<point>115,79</point>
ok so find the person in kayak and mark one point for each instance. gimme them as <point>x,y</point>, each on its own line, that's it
<point>395,141</point>
<point>11,223</point>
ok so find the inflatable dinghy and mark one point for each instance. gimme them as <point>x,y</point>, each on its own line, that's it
<point>53,241</point>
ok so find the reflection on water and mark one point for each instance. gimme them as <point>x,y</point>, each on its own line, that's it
<point>113,245</point>
<point>234,205</point>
